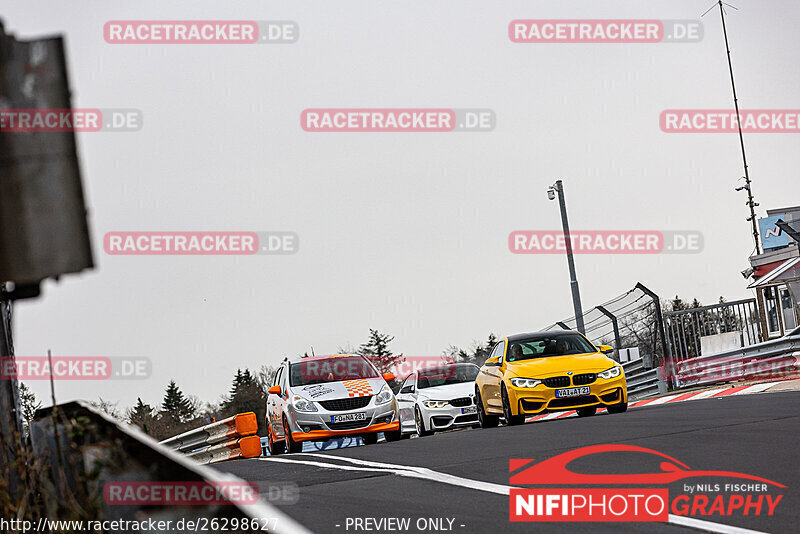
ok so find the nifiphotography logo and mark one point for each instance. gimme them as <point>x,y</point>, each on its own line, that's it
<point>636,497</point>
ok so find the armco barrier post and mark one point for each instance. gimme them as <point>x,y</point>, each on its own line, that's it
<point>665,354</point>
<point>246,447</point>
<point>614,323</point>
<point>234,437</point>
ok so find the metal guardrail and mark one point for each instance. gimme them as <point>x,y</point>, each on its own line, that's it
<point>642,382</point>
<point>686,328</point>
<point>228,439</point>
<point>772,359</point>
<point>83,451</point>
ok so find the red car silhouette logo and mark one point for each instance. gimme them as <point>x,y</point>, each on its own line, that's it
<point>553,471</point>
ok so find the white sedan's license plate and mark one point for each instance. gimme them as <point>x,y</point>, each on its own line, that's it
<point>469,409</point>
<point>347,417</point>
<point>572,392</point>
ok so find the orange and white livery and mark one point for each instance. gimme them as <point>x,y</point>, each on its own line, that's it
<point>324,397</point>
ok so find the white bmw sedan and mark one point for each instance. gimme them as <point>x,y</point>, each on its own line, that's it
<point>439,398</point>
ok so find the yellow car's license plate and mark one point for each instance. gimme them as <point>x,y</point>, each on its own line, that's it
<point>572,392</point>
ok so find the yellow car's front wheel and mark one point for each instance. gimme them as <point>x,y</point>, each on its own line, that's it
<point>622,407</point>
<point>509,416</point>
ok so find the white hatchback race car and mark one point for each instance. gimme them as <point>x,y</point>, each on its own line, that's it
<point>325,397</point>
<point>439,398</point>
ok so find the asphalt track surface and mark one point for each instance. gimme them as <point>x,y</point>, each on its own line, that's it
<point>754,434</point>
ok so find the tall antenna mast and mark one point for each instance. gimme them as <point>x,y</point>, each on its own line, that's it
<point>747,186</point>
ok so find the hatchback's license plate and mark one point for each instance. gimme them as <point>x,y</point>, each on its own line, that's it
<point>469,409</point>
<point>572,392</point>
<point>347,417</point>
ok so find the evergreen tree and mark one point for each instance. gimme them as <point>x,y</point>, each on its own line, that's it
<point>247,394</point>
<point>141,415</point>
<point>377,351</point>
<point>476,354</point>
<point>176,406</point>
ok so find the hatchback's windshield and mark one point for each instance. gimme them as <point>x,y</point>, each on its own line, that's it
<point>317,371</point>
<point>447,374</point>
<point>545,345</point>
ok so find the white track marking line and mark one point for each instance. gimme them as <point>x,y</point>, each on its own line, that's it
<point>318,464</point>
<point>662,400</point>
<point>709,526</point>
<point>755,388</point>
<point>435,476</point>
<point>706,394</point>
<point>400,470</point>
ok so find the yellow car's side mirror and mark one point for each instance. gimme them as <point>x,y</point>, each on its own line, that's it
<point>492,362</point>
<point>605,349</point>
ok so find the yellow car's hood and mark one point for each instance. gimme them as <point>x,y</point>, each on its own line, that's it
<point>558,365</point>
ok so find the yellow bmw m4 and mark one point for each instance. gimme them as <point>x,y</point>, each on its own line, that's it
<point>530,374</point>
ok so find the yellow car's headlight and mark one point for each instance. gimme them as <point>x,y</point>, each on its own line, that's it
<point>610,373</point>
<point>525,382</point>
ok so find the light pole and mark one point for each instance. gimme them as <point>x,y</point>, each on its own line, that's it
<point>747,181</point>
<point>558,189</point>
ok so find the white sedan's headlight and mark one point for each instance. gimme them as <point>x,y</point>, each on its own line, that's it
<point>525,382</point>
<point>383,396</point>
<point>610,373</point>
<point>302,405</point>
<point>435,403</point>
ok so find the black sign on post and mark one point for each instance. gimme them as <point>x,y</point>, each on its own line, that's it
<point>43,228</point>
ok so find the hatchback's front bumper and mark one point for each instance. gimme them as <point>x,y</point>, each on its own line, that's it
<point>307,426</point>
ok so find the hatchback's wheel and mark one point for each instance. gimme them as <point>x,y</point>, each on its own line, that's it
<point>291,444</point>
<point>275,448</point>
<point>370,439</point>
<point>586,412</point>
<point>395,435</point>
<point>508,415</point>
<point>622,407</point>
<point>485,420</point>
<point>419,424</point>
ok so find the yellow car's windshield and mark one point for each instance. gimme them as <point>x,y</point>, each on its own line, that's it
<point>546,345</point>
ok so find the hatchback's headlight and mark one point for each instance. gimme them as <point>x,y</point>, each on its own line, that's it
<point>435,403</point>
<point>383,396</point>
<point>302,405</point>
<point>525,382</point>
<point>610,373</point>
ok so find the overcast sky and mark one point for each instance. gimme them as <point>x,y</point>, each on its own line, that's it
<point>403,232</point>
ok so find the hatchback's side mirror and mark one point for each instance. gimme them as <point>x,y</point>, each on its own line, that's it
<point>274,390</point>
<point>388,376</point>
<point>605,349</point>
<point>492,362</point>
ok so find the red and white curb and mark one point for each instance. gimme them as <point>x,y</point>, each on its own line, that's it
<point>680,397</point>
